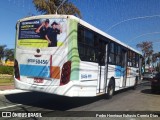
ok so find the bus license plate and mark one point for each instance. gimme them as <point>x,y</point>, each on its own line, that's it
<point>38,80</point>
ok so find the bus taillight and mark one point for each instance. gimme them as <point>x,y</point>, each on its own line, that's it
<point>66,71</point>
<point>16,70</point>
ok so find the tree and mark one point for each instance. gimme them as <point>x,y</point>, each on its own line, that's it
<point>158,67</point>
<point>156,58</point>
<point>9,54</point>
<point>147,49</point>
<point>50,7</point>
<point>2,52</point>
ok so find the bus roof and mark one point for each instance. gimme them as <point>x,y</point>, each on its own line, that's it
<point>82,22</point>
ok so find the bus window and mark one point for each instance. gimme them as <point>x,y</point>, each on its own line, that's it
<point>129,58</point>
<point>88,51</point>
<point>111,53</point>
<point>118,55</point>
<point>89,38</point>
<point>81,35</point>
<point>133,60</point>
<point>137,60</point>
<point>102,52</point>
<point>96,41</point>
<point>96,47</point>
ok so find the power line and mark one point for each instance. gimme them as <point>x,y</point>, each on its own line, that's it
<point>142,17</point>
<point>143,35</point>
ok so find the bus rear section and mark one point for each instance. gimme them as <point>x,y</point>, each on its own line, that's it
<point>43,59</point>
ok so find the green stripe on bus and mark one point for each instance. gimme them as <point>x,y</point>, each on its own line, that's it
<point>73,50</point>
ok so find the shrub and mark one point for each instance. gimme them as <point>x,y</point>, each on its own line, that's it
<point>6,70</point>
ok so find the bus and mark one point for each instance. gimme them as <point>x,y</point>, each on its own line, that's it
<point>64,55</point>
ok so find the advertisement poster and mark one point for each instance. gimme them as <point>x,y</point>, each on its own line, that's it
<point>42,32</point>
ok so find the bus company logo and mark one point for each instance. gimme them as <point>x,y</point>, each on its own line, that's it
<point>22,114</point>
<point>86,76</point>
<point>6,114</point>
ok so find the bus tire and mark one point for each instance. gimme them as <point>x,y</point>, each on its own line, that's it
<point>110,89</point>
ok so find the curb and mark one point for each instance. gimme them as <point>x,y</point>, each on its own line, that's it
<point>11,91</point>
<point>6,87</point>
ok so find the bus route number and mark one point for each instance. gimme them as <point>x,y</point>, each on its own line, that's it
<point>41,61</point>
<point>37,61</point>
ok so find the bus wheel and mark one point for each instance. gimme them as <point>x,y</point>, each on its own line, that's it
<point>110,90</point>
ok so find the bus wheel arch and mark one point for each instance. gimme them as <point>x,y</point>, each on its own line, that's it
<point>111,87</point>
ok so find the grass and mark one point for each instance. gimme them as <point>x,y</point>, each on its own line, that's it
<point>6,80</point>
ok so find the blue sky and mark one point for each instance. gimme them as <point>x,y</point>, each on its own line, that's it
<point>103,14</point>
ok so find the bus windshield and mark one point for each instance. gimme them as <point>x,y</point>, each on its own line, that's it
<point>42,32</point>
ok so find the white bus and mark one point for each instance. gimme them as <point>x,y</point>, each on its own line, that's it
<point>64,55</point>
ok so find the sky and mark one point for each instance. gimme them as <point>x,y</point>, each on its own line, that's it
<point>130,21</point>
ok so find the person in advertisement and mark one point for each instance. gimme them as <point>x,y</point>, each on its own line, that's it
<point>52,33</point>
<point>43,28</point>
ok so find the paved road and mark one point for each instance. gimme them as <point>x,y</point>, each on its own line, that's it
<point>140,99</point>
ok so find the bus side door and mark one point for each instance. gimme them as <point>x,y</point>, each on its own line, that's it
<point>103,68</point>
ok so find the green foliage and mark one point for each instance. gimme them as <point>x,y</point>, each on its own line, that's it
<point>9,54</point>
<point>6,53</point>
<point>2,52</point>
<point>50,7</point>
<point>6,70</point>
